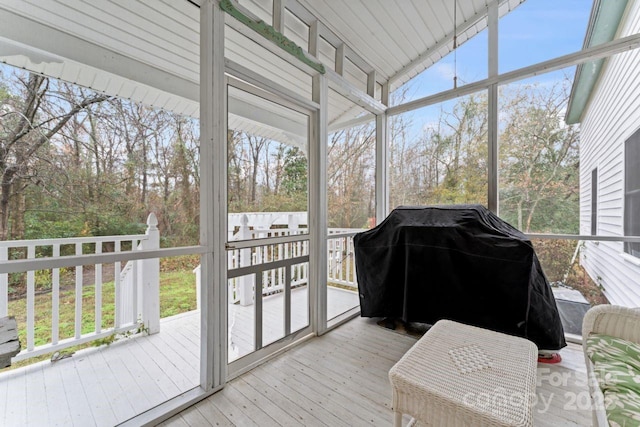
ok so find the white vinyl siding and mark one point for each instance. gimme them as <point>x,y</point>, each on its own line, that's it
<point>611,117</point>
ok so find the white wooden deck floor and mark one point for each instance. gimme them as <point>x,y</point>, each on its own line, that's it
<point>340,379</point>
<point>108,385</point>
<point>241,319</point>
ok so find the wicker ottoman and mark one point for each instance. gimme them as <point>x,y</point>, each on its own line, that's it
<point>460,375</point>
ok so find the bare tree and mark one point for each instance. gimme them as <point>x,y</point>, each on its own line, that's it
<point>28,124</point>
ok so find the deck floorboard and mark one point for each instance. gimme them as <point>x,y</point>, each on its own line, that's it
<point>340,378</point>
<point>344,373</point>
<point>108,385</point>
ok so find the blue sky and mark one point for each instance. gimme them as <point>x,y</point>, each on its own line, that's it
<point>535,31</point>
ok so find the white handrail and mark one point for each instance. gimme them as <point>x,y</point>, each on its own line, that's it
<point>70,240</point>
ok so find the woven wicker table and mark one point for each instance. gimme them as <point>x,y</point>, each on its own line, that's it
<point>460,375</point>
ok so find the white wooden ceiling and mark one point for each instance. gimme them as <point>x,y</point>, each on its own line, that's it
<point>402,38</point>
<point>148,50</point>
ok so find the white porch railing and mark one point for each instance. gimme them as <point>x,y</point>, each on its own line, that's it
<point>340,267</point>
<point>273,281</point>
<point>136,287</point>
<point>341,264</point>
<point>137,283</point>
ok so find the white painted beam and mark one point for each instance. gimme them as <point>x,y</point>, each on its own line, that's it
<point>337,82</point>
<point>308,18</point>
<point>257,79</point>
<point>348,90</point>
<point>269,45</point>
<point>249,112</point>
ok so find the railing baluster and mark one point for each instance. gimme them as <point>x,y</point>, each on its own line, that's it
<point>78,319</point>
<point>134,287</point>
<point>272,285</point>
<point>4,284</point>
<point>55,299</point>
<point>330,259</point>
<point>32,348</point>
<point>280,271</point>
<point>305,266</point>
<point>340,250</point>
<point>98,291</point>
<point>287,300</point>
<point>31,295</point>
<point>339,266</point>
<point>347,259</point>
<point>117,290</point>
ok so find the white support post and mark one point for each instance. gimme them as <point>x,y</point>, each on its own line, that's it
<point>213,196</point>
<point>150,273</point>
<point>492,160</point>
<point>245,283</point>
<point>382,160</point>
<point>318,207</point>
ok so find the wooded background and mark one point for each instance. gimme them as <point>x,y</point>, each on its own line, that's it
<point>78,163</point>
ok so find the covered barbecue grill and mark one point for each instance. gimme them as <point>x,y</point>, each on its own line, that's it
<point>463,263</point>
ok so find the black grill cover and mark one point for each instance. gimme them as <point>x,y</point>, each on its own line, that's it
<point>463,263</point>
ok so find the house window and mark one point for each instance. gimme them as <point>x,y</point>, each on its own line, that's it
<point>632,192</point>
<point>594,202</point>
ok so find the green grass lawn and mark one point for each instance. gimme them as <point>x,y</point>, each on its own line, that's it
<point>177,295</point>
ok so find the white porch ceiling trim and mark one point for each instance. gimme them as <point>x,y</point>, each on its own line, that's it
<point>84,53</point>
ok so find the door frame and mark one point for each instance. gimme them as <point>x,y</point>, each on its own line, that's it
<point>271,92</point>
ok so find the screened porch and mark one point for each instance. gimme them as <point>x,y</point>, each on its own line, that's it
<point>282,129</point>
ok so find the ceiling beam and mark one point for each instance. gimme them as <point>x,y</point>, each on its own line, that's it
<point>308,18</point>
<point>351,92</point>
<point>48,39</point>
<point>336,81</point>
